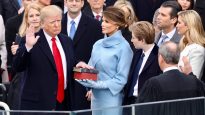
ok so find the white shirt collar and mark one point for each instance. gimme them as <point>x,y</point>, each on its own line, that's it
<point>98,14</point>
<point>170,34</point>
<point>170,68</point>
<point>48,37</point>
<point>147,53</point>
<point>77,19</point>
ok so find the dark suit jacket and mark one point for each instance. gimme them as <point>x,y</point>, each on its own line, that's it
<point>40,74</point>
<point>172,85</point>
<point>144,9</point>
<point>110,2</point>
<point>176,37</point>
<point>8,8</point>
<point>150,69</point>
<point>11,29</point>
<point>87,33</point>
<point>199,7</point>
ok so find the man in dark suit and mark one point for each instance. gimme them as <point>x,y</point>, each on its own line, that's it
<point>95,9</point>
<point>145,9</point>
<point>143,40</point>
<point>47,61</point>
<point>87,32</point>
<point>166,21</point>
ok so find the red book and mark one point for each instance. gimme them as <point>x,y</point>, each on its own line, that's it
<point>83,73</point>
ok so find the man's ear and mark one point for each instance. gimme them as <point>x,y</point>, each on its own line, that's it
<point>160,58</point>
<point>174,20</point>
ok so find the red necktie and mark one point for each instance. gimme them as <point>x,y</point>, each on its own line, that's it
<point>98,17</point>
<point>59,67</point>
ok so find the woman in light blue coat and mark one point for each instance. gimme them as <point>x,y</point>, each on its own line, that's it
<point>112,57</point>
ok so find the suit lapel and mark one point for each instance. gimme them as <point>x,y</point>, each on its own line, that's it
<point>151,57</point>
<point>45,47</point>
<point>135,60</point>
<point>176,37</point>
<point>65,48</point>
<point>64,24</point>
<point>80,30</point>
<point>158,37</point>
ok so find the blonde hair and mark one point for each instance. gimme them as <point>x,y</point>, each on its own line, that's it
<point>25,24</point>
<point>124,3</point>
<point>195,32</point>
<point>143,30</point>
<point>51,10</point>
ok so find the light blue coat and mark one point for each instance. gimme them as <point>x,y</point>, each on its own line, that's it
<point>112,57</point>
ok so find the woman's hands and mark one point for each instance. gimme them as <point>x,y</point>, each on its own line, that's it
<point>82,64</point>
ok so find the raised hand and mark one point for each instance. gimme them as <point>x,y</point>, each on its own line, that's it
<point>30,37</point>
<point>186,69</point>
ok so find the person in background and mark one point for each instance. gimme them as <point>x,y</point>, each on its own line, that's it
<point>111,56</point>
<point>186,4</point>
<point>12,29</point>
<point>95,9</point>
<point>154,22</point>
<point>31,17</point>
<point>145,61</point>
<point>193,40</point>
<point>84,31</point>
<point>3,53</point>
<point>166,21</point>
<point>47,60</point>
<point>129,17</point>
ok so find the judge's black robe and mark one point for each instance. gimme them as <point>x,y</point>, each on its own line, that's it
<point>168,86</point>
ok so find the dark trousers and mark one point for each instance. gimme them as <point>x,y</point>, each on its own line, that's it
<point>64,105</point>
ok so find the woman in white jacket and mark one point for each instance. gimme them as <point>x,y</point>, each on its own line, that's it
<point>193,40</point>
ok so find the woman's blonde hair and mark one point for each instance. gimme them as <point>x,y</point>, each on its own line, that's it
<point>195,32</point>
<point>124,3</point>
<point>25,24</point>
